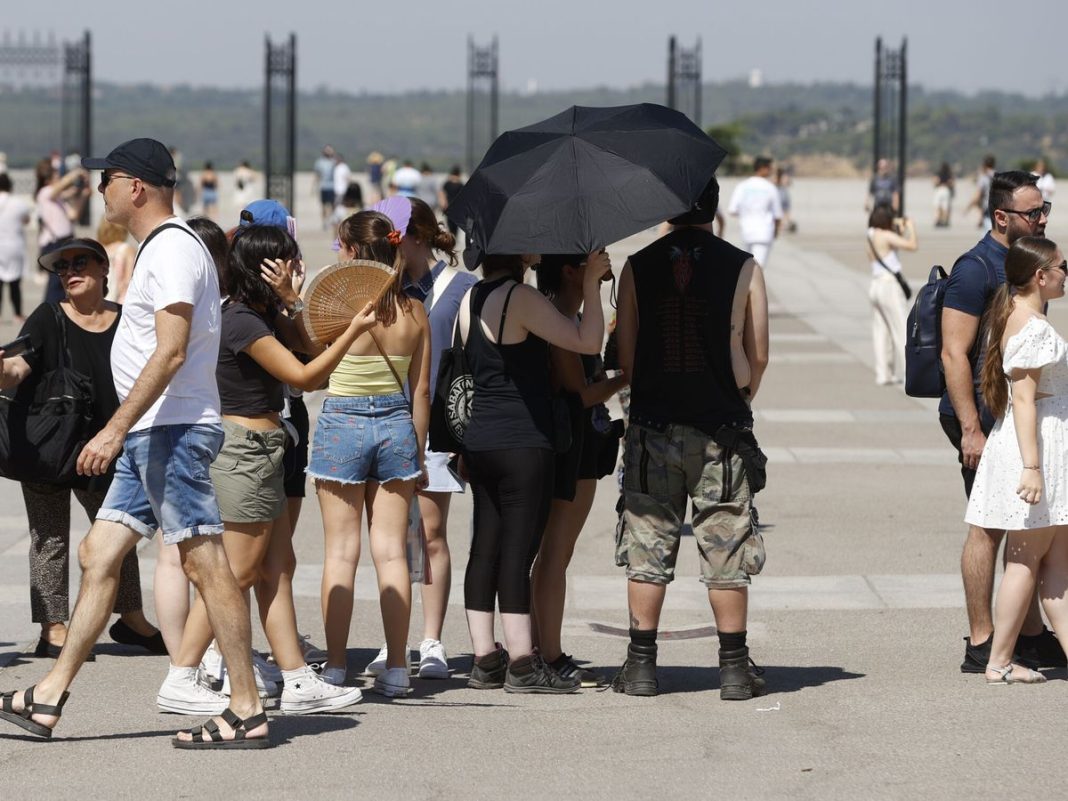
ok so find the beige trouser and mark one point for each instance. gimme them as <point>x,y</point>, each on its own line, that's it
<point>889,311</point>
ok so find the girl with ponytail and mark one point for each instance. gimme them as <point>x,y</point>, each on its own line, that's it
<point>1021,484</point>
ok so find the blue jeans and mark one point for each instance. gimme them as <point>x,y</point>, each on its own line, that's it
<point>162,482</point>
<point>364,439</point>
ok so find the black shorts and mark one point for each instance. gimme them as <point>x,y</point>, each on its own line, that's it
<point>951,425</point>
<point>295,459</point>
<point>327,197</point>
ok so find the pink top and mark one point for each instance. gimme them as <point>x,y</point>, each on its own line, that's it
<point>55,224</point>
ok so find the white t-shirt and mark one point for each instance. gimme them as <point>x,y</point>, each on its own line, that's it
<point>342,176</point>
<point>756,204</point>
<point>174,268</point>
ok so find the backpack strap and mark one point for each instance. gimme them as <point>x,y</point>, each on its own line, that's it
<point>160,229</point>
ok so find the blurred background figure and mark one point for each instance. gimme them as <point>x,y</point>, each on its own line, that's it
<point>244,179</point>
<point>209,190</point>
<point>1046,183</point>
<point>981,199</point>
<point>783,180</point>
<point>406,180</point>
<point>60,201</point>
<point>945,186</point>
<point>185,194</point>
<point>323,181</point>
<point>883,189</point>
<point>14,216</point>
<point>427,190</point>
<point>121,255</point>
<point>755,202</point>
<point>886,236</point>
<point>374,175</point>
<point>342,177</point>
<point>450,188</point>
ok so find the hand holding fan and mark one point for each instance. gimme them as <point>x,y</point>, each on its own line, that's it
<point>339,292</point>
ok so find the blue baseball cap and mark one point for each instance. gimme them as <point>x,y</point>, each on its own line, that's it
<point>269,212</point>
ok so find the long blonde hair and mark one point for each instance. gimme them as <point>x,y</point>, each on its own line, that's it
<point>1027,255</point>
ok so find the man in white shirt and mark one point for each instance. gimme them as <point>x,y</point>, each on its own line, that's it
<point>406,180</point>
<point>755,202</point>
<point>342,177</point>
<point>164,435</point>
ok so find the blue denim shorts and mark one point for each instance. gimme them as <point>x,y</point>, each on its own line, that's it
<point>162,481</point>
<point>365,439</point>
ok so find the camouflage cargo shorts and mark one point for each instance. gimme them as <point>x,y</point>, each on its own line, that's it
<point>663,473</point>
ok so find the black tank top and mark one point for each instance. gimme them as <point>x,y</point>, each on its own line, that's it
<point>685,284</point>
<point>512,407</point>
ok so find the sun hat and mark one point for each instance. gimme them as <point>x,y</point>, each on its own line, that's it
<point>51,257</point>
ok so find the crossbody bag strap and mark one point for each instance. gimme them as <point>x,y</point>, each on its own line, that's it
<point>875,253</point>
<point>441,283</point>
<point>392,369</point>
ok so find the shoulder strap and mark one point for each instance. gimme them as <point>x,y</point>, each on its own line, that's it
<point>61,326</point>
<point>392,369</point>
<point>160,229</point>
<point>504,312</point>
<point>878,258</point>
<point>441,283</point>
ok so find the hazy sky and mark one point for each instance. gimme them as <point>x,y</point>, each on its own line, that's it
<point>392,46</point>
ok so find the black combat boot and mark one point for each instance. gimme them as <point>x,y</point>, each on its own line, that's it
<point>487,672</point>
<point>638,674</point>
<point>739,676</point>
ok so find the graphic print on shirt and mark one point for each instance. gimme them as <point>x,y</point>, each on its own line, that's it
<point>680,316</point>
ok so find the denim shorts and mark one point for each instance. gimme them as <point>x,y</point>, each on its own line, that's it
<point>365,439</point>
<point>162,481</point>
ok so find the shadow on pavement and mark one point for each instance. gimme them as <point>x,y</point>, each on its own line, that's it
<point>780,678</point>
<point>284,728</point>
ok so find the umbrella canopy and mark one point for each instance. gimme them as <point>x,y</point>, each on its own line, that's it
<point>585,178</point>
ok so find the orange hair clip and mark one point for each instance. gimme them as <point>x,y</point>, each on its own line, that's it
<point>394,237</point>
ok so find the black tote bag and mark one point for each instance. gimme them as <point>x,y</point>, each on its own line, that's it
<point>450,410</point>
<point>44,424</point>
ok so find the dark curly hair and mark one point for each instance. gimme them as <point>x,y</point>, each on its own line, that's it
<point>251,244</point>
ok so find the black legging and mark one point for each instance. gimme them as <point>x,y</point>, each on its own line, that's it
<point>512,491</point>
<point>14,288</point>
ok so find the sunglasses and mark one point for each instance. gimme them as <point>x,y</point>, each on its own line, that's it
<point>77,265</point>
<point>1032,215</point>
<point>1063,267</point>
<point>106,179</point>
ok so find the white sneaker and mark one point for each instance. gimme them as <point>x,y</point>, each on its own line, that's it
<point>378,664</point>
<point>433,663</point>
<point>333,675</point>
<point>212,664</point>
<point>393,683</point>
<point>305,693</point>
<point>182,694</point>
<point>264,686</point>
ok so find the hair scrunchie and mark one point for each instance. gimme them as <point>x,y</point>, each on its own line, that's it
<point>394,237</point>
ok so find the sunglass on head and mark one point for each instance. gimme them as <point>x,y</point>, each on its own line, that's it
<point>1032,215</point>
<point>77,265</point>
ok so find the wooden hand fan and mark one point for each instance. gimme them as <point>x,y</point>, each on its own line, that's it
<point>339,292</point>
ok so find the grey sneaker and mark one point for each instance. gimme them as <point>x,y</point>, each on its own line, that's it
<point>530,674</point>
<point>488,672</point>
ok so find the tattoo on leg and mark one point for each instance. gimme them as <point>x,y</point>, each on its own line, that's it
<point>633,619</point>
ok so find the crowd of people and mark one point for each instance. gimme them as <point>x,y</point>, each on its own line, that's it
<point>199,431</point>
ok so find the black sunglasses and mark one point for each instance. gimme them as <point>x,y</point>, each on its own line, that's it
<point>1032,215</point>
<point>77,265</point>
<point>106,179</point>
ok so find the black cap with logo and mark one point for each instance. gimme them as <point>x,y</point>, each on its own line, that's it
<point>146,159</point>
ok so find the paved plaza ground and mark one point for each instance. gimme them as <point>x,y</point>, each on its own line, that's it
<point>857,618</point>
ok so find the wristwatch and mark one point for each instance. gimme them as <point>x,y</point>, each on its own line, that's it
<point>296,308</point>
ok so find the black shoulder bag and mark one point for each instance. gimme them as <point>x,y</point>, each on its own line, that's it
<point>44,424</point>
<point>450,409</point>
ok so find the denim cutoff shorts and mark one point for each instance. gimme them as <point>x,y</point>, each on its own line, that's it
<point>365,439</point>
<point>162,481</point>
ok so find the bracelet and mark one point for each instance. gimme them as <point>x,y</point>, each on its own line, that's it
<point>1037,467</point>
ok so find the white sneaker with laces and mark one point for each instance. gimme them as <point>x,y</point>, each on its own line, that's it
<point>182,694</point>
<point>333,675</point>
<point>305,693</point>
<point>265,687</point>
<point>433,663</point>
<point>393,683</point>
<point>212,663</point>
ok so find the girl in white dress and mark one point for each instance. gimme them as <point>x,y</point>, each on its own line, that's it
<point>1021,484</point>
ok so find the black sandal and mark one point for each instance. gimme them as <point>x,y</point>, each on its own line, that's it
<point>24,719</point>
<point>209,736</point>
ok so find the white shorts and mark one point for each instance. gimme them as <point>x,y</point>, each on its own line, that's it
<point>442,479</point>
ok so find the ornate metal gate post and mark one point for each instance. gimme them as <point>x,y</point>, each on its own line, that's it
<point>482,99</point>
<point>890,128</point>
<point>280,121</point>
<point>684,79</point>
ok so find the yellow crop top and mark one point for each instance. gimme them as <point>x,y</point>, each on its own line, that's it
<point>363,376</point>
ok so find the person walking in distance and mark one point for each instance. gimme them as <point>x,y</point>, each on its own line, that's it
<point>1016,210</point>
<point>755,202</point>
<point>692,334</point>
<point>165,434</point>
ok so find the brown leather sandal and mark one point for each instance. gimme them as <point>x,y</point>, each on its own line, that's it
<point>24,718</point>
<point>209,736</point>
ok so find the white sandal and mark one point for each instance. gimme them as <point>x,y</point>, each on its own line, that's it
<point>1005,675</point>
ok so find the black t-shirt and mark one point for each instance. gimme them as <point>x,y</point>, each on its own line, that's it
<point>90,354</point>
<point>451,189</point>
<point>245,388</point>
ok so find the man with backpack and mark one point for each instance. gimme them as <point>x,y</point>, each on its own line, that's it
<point>1016,210</point>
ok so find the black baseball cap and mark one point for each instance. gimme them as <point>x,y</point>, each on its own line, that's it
<point>146,159</point>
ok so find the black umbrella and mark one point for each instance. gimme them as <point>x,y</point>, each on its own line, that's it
<point>585,178</point>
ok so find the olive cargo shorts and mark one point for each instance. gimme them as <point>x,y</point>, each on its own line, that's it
<point>662,473</point>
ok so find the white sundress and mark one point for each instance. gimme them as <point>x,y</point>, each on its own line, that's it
<point>994,502</point>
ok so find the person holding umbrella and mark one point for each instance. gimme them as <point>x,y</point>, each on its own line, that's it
<point>507,328</point>
<point>692,333</point>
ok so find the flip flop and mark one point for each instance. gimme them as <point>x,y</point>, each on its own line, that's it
<point>24,719</point>
<point>208,736</point>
